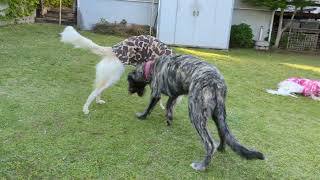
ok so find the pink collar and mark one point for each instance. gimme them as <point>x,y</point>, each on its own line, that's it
<point>147,68</point>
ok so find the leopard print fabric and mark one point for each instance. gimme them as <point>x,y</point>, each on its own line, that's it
<point>139,49</point>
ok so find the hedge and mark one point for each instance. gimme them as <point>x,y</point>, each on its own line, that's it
<point>241,36</point>
<point>19,8</point>
<point>56,3</point>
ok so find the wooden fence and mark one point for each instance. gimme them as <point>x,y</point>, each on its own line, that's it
<point>301,39</point>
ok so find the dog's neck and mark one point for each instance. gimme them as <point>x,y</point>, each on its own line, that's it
<point>147,69</point>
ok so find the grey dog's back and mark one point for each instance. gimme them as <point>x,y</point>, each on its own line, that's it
<point>179,74</point>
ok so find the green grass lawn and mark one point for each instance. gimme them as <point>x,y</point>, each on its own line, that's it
<point>43,132</point>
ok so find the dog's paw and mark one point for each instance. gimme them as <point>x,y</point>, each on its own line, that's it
<point>101,102</point>
<point>198,166</point>
<point>221,148</point>
<point>169,119</point>
<point>141,115</point>
<point>86,111</point>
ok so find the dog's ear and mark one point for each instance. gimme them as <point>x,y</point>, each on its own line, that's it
<point>139,71</point>
<point>136,76</point>
<point>130,76</point>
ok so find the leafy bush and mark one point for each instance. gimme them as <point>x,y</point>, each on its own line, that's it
<point>120,29</point>
<point>241,36</point>
<point>20,8</point>
<point>56,3</point>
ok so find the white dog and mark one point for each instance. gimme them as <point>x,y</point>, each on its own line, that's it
<point>132,51</point>
<point>292,86</point>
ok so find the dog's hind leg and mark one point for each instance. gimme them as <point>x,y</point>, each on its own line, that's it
<point>91,97</point>
<point>94,95</point>
<point>99,85</point>
<point>219,115</point>
<point>99,100</point>
<point>199,120</point>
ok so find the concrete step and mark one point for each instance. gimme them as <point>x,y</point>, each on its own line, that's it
<point>62,13</point>
<point>63,16</point>
<point>64,10</point>
<point>55,20</point>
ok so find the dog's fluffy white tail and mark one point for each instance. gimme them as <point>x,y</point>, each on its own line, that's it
<point>71,36</point>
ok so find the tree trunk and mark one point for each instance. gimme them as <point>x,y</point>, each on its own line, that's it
<point>279,33</point>
<point>280,29</point>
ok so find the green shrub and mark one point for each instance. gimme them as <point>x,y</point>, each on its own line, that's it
<point>120,29</point>
<point>56,3</point>
<point>20,8</point>
<point>241,36</point>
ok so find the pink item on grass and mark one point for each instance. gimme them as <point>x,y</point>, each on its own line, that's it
<point>311,87</point>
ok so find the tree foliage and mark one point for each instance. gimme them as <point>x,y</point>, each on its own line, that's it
<point>282,4</point>
<point>56,3</point>
<point>19,8</point>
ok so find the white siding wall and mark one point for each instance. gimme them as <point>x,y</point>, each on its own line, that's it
<point>254,16</point>
<point>90,12</point>
<point>3,6</point>
<point>167,21</point>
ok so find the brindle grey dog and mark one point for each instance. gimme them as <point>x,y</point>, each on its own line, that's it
<point>179,75</point>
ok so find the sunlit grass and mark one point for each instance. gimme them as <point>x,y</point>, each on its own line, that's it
<point>303,67</point>
<point>206,55</point>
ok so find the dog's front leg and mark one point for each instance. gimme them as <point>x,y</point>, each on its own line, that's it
<point>155,97</point>
<point>152,104</point>
<point>169,108</point>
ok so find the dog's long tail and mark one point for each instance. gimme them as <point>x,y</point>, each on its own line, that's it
<point>241,150</point>
<point>220,117</point>
<point>71,36</point>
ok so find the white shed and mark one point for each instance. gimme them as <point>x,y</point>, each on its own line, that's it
<point>195,23</point>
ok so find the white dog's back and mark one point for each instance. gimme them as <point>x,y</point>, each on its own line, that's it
<point>287,88</point>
